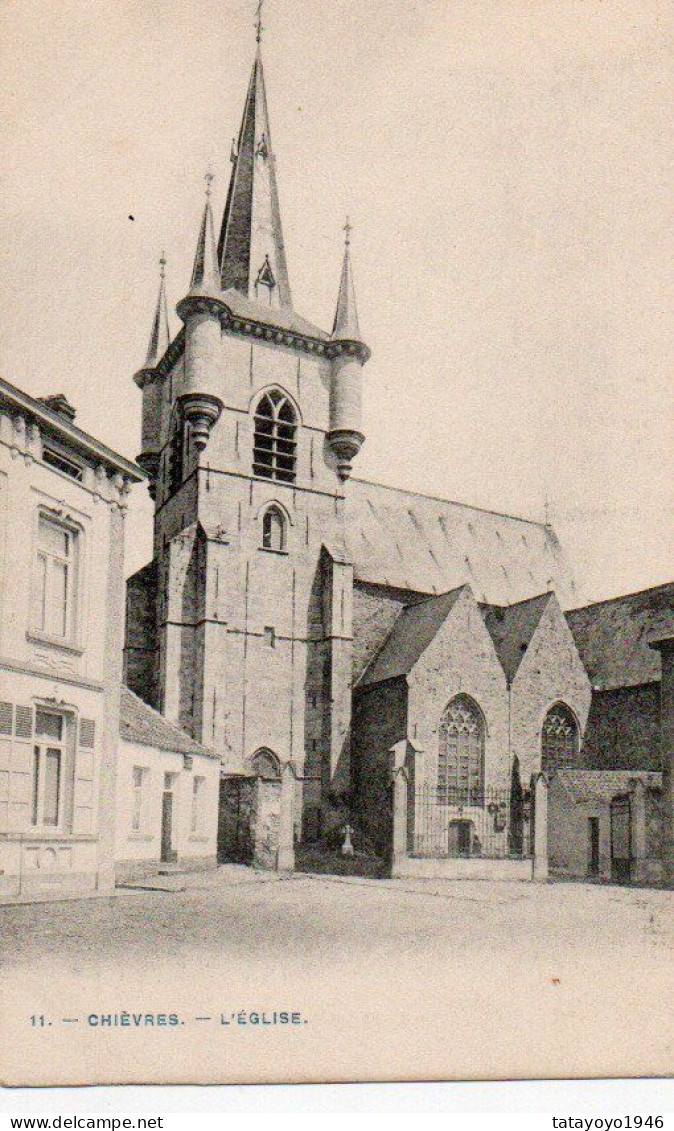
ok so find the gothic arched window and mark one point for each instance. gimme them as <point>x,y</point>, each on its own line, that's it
<point>559,739</point>
<point>461,754</point>
<point>274,445</point>
<point>265,765</point>
<point>273,529</point>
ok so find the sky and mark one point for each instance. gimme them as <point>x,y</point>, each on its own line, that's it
<point>507,167</point>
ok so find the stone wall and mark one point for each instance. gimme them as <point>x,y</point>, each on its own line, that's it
<point>623,729</point>
<point>460,660</point>
<point>550,671</point>
<point>140,646</point>
<point>379,721</point>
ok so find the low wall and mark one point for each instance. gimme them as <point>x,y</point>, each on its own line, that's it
<point>458,868</point>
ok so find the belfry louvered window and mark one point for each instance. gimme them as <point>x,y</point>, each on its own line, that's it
<point>559,739</point>
<point>275,443</point>
<point>461,754</point>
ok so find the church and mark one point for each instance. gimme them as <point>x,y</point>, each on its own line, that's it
<point>300,622</point>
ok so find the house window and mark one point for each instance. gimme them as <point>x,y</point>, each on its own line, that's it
<point>54,612</point>
<point>559,739</point>
<point>198,800</point>
<point>138,804</point>
<point>274,530</point>
<point>54,459</point>
<point>48,767</point>
<point>274,445</point>
<point>461,754</point>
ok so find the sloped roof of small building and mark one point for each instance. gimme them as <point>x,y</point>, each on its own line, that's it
<point>410,541</point>
<point>603,785</point>
<point>140,723</point>
<point>512,627</point>
<point>409,638</point>
<point>612,636</point>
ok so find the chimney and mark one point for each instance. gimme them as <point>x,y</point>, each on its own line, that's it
<point>59,404</point>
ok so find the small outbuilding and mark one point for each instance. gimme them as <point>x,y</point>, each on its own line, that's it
<point>606,825</point>
<point>167,795</point>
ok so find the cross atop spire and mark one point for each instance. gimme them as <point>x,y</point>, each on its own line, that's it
<point>345,327</point>
<point>206,271</point>
<point>259,26</point>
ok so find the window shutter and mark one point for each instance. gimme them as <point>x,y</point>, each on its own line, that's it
<point>6,713</point>
<point>24,722</point>
<point>5,718</point>
<point>87,733</point>
<point>20,783</point>
<point>84,784</point>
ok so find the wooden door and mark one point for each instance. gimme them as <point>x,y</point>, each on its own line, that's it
<point>168,856</point>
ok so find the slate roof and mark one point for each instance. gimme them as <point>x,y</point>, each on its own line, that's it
<point>612,636</point>
<point>603,785</point>
<point>409,638</point>
<point>140,723</point>
<point>281,316</point>
<point>410,541</point>
<point>511,628</point>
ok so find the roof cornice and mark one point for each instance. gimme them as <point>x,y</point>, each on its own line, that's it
<point>261,331</point>
<point>24,403</point>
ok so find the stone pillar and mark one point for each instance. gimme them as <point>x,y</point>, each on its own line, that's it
<point>665,646</point>
<point>403,769</point>
<point>539,789</point>
<point>286,830</point>
<point>638,849</point>
<point>400,791</point>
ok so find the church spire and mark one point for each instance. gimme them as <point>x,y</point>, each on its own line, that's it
<point>250,249</point>
<point>160,336</point>
<point>345,326</point>
<point>206,273</point>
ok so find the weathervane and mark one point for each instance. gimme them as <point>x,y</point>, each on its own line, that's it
<point>259,26</point>
<point>162,265</point>
<point>348,228</point>
<point>209,177</point>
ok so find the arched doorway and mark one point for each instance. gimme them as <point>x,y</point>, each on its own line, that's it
<point>249,812</point>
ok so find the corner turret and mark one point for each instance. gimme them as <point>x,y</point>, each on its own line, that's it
<point>148,379</point>
<point>349,353</point>
<point>201,310</point>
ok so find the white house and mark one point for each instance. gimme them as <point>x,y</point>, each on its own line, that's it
<point>166,811</point>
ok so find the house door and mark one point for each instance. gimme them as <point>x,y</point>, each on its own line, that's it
<point>621,856</point>
<point>168,853</point>
<point>593,846</point>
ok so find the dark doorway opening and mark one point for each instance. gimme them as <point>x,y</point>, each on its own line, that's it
<point>621,830</point>
<point>593,846</point>
<point>235,842</point>
<point>168,854</point>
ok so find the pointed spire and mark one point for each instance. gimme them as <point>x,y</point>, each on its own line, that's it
<point>160,337</point>
<point>251,233</point>
<point>345,327</point>
<point>206,273</point>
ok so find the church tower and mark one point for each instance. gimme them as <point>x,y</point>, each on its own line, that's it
<point>241,628</point>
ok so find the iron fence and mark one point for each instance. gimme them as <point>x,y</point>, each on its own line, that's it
<point>475,822</point>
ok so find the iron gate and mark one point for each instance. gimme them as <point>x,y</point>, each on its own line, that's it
<point>470,823</point>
